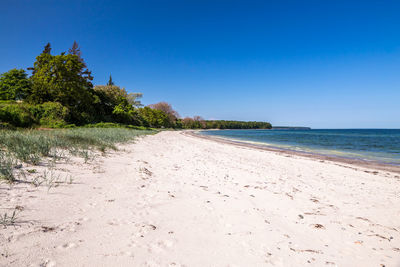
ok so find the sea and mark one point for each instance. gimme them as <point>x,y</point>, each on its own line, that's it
<point>378,145</point>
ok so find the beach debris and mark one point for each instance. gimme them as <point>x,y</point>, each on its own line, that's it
<point>364,219</point>
<point>146,171</point>
<point>383,237</point>
<point>46,229</point>
<point>205,188</point>
<point>289,195</point>
<point>315,213</point>
<point>307,250</point>
<point>294,189</point>
<point>301,216</point>
<point>318,226</point>
<point>20,208</point>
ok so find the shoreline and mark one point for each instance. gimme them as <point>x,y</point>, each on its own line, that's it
<point>375,165</point>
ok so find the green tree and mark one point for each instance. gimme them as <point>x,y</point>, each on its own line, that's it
<point>47,49</point>
<point>117,104</point>
<point>14,85</point>
<point>166,108</point>
<point>110,81</point>
<point>75,50</point>
<point>64,79</point>
<point>155,118</point>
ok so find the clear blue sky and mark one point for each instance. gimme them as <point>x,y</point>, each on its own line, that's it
<point>324,64</point>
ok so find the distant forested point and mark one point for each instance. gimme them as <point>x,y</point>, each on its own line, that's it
<point>196,123</point>
<point>290,128</point>
<point>59,93</point>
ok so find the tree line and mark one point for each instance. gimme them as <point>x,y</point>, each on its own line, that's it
<point>60,93</point>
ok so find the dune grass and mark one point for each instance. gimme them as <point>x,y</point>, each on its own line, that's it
<point>31,146</point>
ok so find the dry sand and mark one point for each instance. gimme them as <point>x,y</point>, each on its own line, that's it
<point>177,200</point>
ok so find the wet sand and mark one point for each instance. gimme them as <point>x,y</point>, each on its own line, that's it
<point>348,162</point>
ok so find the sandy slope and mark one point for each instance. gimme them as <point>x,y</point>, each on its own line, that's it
<point>176,200</point>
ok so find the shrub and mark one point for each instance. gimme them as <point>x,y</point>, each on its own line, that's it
<point>17,114</point>
<point>124,113</point>
<point>6,126</point>
<point>52,114</point>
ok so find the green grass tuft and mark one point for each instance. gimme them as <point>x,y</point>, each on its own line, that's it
<point>30,146</point>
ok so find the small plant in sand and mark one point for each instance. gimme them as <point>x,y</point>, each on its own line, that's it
<point>51,180</point>
<point>7,220</point>
<point>7,164</point>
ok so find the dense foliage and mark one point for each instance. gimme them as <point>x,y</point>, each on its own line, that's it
<point>60,93</point>
<point>14,85</point>
<point>199,123</point>
<point>22,114</point>
<point>64,79</point>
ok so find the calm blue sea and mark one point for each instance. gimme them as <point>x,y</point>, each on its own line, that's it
<point>382,145</point>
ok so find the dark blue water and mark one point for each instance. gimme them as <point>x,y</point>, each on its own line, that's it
<point>381,145</point>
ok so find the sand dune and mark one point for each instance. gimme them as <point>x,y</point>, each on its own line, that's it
<point>177,200</point>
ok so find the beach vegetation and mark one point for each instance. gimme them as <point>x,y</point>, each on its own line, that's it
<point>198,122</point>
<point>7,164</point>
<point>14,85</point>
<point>31,145</point>
<point>167,109</point>
<point>9,219</point>
<point>60,93</point>
<point>46,147</point>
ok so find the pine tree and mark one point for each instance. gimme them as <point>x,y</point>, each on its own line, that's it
<point>75,50</point>
<point>47,49</point>
<point>45,55</point>
<point>110,81</point>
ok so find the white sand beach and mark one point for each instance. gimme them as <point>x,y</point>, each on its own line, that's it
<point>172,199</point>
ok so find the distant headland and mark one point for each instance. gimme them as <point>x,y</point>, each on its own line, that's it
<point>290,128</point>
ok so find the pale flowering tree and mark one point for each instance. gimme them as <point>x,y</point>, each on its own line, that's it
<point>167,109</point>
